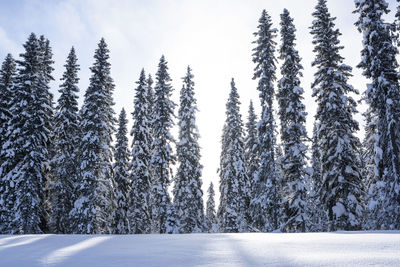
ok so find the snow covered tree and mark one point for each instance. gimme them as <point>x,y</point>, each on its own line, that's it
<point>368,167</point>
<point>188,195</point>
<point>47,69</point>
<point>264,206</point>
<point>251,156</point>
<point>293,132</point>
<point>319,216</point>
<point>93,208</point>
<point>122,184</point>
<point>338,146</point>
<point>233,173</point>
<point>140,209</point>
<point>163,156</point>
<point>64,163</point>
<point>25,152</point>
<point>383,97</point>
<point>8,74</point>
<point>211,217</point>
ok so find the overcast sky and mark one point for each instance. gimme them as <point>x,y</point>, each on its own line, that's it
<point>214,37</point>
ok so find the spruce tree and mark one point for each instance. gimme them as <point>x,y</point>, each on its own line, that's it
<point>338,146</point>
<point>319,216</point>
<point>25,152</point>
<point>211,217</point>
<point>188,195</point>
<point>122,182</point>
<point>293,132</point>
<point>251,156</point>
<point>8,75</point>
<point>92,210</point>
<point>140,208</point>
<point>162,154</point>
<point>64,162</point>
<point>383,97</point>
<point>233,174</point>
<point>264,205</point>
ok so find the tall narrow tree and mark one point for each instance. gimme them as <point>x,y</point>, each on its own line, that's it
<point>140,208</point>
<point>92,210</point>
<point>340,164</point>
<point>383,97</point>
<point>251,156</point>
<point>211,217</point>
<point>293,132</point>
<point>64,162</point>
<point>26,149</point>
<point>188,195</point>
<point>265,201</point>
<point>8,75</point>
<point>163,156</point>
<point>122,184</point>
<point>233,174</point>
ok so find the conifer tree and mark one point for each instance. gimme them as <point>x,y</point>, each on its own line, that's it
<point>233,174</point>
<point>8,75</point>
<point>163,156</point>
<point>211,217</point>
<point>383,97</point>
<point>25,152</point>
<point>293,132</point>
<point>265,201</point>
<point>92,210</point>
<point>340,164</point>
<point>251,155</point>
<point>122,184</point>
<point>64,162</point>
<point>319,216</point>
<point>140,208</point>
<point>47,69</point>
<point>188,195</point>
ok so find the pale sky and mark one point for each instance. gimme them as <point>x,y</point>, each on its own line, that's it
<point>214,37</point>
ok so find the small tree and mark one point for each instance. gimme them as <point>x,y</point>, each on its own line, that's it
<point>211,217</point>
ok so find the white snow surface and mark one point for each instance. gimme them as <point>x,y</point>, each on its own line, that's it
<point>380,248</point>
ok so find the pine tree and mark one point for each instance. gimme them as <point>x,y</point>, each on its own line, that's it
<point>293,132</point>
<point>140,208</point>
<point>383,97</point>
<point>92,210</point>
<point>265,201</point>
<point>163,156</point>
<point>338,146</point>
<point>233,174</point>
<point>188,195</point>
<point>64,163</point>
<point>26,149</point>
<point>8,75</point>
<point>211,217</point>
<point>251,155</point>
<point>47,69</point>
<point>122,184</point>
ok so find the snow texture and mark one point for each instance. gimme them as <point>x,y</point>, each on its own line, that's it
<point>256,249</point>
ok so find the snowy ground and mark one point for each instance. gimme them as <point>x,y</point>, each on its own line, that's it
<point>274,249</point>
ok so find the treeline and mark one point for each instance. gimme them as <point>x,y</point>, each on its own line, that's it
<point>61,173</point>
